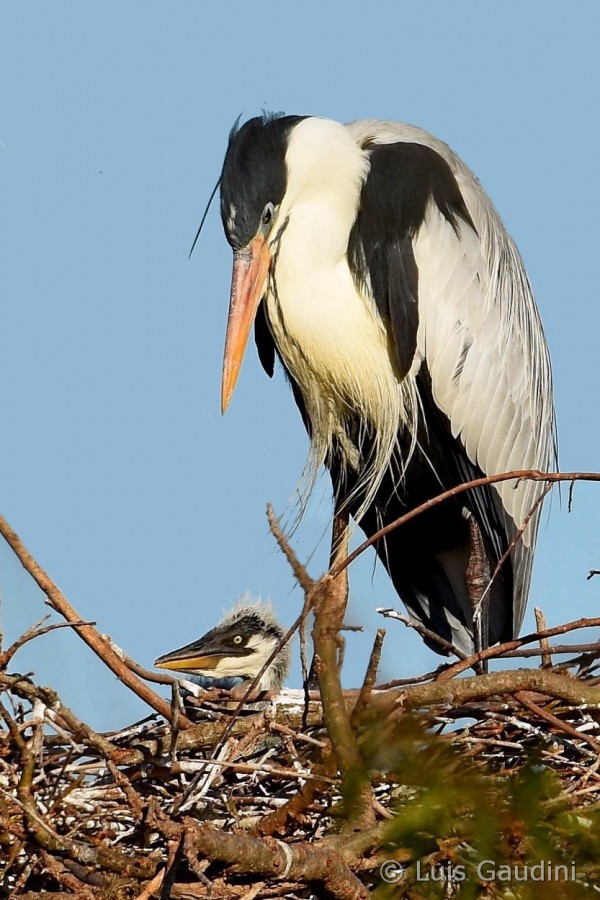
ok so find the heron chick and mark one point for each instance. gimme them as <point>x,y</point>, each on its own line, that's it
<point>236,648</point>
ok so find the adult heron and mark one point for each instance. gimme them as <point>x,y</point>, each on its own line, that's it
<point>377,270</point>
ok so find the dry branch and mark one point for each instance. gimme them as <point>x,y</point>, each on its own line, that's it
<point>517,475</point>
<point>287,801</point>
<point>88,778</point>
<point>98,643</point>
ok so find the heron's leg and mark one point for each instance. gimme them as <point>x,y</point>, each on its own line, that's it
<point>340,535</point>
<point>477,579</point>
<point>338,593</point>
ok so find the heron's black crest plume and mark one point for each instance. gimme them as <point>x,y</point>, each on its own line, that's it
<point>234,129</point>
<point>265,114</point>
<point>202,221</point>
<point>236,126</point>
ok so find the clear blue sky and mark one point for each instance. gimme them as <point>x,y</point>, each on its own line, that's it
<point>144,504</point>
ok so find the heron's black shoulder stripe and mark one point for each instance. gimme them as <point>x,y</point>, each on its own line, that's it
<point>403,178</point>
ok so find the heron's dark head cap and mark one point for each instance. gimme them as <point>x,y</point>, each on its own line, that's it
<point>254,173</point>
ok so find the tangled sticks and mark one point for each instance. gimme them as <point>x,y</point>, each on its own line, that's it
<point>303,798</point>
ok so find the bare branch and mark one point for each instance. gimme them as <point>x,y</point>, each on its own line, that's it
<point>88,633</point>
<point>370,678</point>
<point>517,475</point>
<point>32,633</point>
<point>558,723</point>
<point>302,576</point>
<point>330,602</point>
<point>500,649</point>
<point>421,629</point>
<point>481,687</point>
<point>540,621</point>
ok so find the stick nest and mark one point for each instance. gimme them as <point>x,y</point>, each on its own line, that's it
<point>337,794</point>
<point>154,810</point>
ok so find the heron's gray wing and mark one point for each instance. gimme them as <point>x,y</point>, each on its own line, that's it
<point>478,329</point>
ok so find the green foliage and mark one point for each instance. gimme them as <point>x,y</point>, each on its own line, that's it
<point>493,834</point>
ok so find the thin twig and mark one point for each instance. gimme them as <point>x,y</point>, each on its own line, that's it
<point>501,649</point>
<point>153,885</point>
<point>370,678</point>
<point>32,633</point>
<point>558,723</point>
<point>330,603</point>
<point>88,633</point>
<point>540,621</point>
<point>254,768</point>
<point>516,475</point>
<point>302,576</point>
<point>421,629</point>
<point>137,669</point>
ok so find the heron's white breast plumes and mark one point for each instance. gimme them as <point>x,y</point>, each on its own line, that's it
<point>335,346</point>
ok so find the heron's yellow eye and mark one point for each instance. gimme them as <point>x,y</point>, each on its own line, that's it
<point>238,639</point>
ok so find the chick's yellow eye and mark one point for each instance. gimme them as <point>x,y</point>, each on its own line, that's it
<point>238,639</point>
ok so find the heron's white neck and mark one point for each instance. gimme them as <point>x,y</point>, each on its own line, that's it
<point>329,333</point>
<point>326,170</point>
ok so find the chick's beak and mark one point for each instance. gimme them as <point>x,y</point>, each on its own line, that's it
<point>189,663</point>
<point>250,271</point>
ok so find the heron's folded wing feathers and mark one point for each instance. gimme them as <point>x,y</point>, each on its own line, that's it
<point>478,331</point>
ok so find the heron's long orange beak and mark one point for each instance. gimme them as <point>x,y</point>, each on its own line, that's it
<point>250,270</point>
